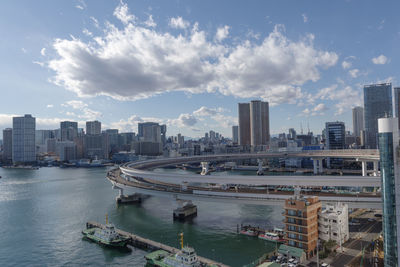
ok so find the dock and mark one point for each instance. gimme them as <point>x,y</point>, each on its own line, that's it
<point>147,244</point>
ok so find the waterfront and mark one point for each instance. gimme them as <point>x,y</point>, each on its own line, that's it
<point>42,213</point>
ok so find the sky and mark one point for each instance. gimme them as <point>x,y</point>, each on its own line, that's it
<point>189,63</point>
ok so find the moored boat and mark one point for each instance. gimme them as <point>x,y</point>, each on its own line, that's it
<point>107,236</point>
<point>270,236</point>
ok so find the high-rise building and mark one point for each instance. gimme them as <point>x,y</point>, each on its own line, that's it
<point>235,134</point>
<point>335,135</point>
<point>259,123</point>
<point>292,134</point>
<point>388,143</point>
<point>69,130</point>
<point>301,223</point>
<point>23,139</point>
<point>377,104</point>
<point>396,106</point>
<point>149,132</point>
<point>358,121</point>
<point>66,150</point>
<point>7,144</point>
<point>244,124</point>
<point>93,127</point>
<point>163,130</point>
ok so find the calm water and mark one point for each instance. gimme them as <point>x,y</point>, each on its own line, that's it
<point>42,213</point>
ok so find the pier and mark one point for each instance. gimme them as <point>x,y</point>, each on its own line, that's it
<point>147,244</point>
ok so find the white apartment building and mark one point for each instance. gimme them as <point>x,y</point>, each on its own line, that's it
<point>333,223</point>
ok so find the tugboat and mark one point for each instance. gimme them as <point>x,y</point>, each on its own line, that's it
<point>186,257</point>
<point>107,236</point>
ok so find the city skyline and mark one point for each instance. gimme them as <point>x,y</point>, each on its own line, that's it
<point>324,86</point>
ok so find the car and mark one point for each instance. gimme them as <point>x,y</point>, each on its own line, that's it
<point>378,215</point>
<point>371,220</point>
<point>325,265</point>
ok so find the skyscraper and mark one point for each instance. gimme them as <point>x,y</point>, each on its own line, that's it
<point>23,139</point>
<point>388,144</point>
<point>259,123</point>
<point>7,144</point>
<point>396,106</point>
<point>335,139</point>
<point>235,134</point>
<point>69,130</point>
<point>244,123</point>
<point>93,127</point>
<point>358,120</point>
<point>377,104</point>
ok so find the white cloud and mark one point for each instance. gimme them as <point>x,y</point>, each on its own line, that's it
<point>81,5</point>
<point>43,51</point>
<point>150,22</point>
<point>354,73</point>
<point>184,120</point>
<point>138,62</point>
<point>85,112</point>
<point>41,64</point>
<point>222,33</point>
<point>305,18</point>
<point>346,64</point>
<point>121,12</point>
<point>24,50</point>
<point>205,111</point>
<point>380,60</point>
<point>87,32</point>
<point>178,23</point>
<point>50,106</point>
<point>95,22</point>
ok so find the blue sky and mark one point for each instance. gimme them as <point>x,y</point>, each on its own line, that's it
<point>188,63</point>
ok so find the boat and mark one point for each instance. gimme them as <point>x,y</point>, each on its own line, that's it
<point>106,236</point>
<point>271,236</point>
<point>249,230</point>
<point>186,257</point>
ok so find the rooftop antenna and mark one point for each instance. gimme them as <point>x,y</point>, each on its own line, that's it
<point>308,126</point>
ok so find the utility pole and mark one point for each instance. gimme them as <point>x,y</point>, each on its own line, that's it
<point>317,253</point>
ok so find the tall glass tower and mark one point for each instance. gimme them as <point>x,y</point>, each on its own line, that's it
<point>388,147</point>
<point>377,104</point>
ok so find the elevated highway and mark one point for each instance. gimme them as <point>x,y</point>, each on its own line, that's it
<point>138,177</point>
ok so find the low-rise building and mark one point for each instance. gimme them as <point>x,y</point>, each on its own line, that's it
<point>334,223</point>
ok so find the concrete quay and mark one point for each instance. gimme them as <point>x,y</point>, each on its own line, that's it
<point>147,244</point>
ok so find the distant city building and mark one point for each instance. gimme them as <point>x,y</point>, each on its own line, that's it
<point>244,124</point>
<point>335,138</point>
<point>396,106</point>
<point>377,104</point>
<point>69,130</point>
<point>163,130</point>
<point>113,139</point>
<point>93,127</point>
<point>42,135</point>
<point>334,223</point>
<point>235,134</point>
<point>51,146</point>
<point>7,144</point>
<point>97,146</point>
<point>259,123</point>
<point>23,139</point>
<point>358,121</point>
<point>66,150</point>
<point>149,132</point>
<point>292,134</point>
<point>335,135</point>
<point>388,150</point>
<point>301,223</point>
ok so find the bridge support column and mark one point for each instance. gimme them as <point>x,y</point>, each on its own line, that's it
<point>205,168</point>
<point>364,168</point>
<point>260,170</point>
<point>375,173</point>
<point>315,164</point>
<point>185,210</point>
<point>321,167</point>
<point>122,199</point>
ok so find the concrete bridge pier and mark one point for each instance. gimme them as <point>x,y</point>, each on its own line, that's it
<point>122,199</point>
<point>364,168</point>
<point>205,168</point>
<point>375,173</point>
<point>260,170</point>
<point>185,210</point>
